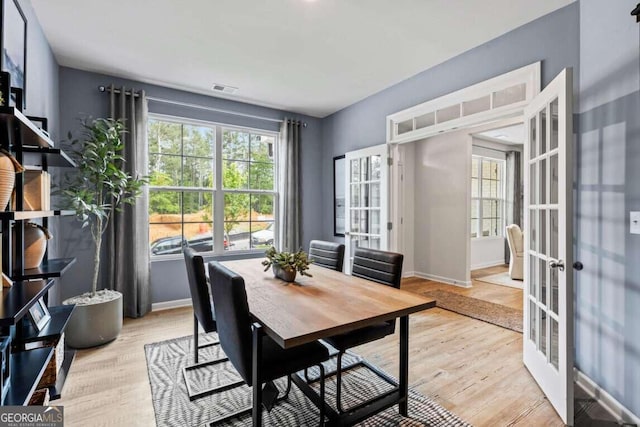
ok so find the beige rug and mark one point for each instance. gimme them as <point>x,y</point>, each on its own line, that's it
<point>500,315</point>
<point>502,279</point>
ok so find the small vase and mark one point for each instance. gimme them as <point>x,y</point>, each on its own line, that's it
<point>35,244</point>
<point>286,275</point>
<point>8,169</point>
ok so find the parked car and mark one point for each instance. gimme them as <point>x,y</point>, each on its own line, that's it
<point>174,244</point>
<point>263,237</point>
<point>167,245</point>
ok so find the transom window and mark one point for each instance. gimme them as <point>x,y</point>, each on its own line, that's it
<point>212,187</point>
<point>487,197</point>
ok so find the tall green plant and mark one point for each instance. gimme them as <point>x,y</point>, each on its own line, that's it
<point>99,187</point>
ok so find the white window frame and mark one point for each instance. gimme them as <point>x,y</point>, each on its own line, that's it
<point>217,191</point>
<point>502,190</point>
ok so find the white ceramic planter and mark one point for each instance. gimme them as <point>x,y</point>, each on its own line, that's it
<point>94,324</point>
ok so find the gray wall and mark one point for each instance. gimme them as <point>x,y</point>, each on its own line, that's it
<point>80,97</point>
<point>608,177</point>
<point>442,173</point>
<point>552,39</point>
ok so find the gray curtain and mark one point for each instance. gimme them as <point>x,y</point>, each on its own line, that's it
<point>128,242</point>
<point>289,179</point>
<point>513,199</point>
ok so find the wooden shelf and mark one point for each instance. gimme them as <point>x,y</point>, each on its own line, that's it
<point>27,367</point>
<point>48,269</point>
<point>22,215</point>
<point>17,299</point>
<point>55,391</point>
<point>54,157</point>
<point>60,316</point>
<point>30,134</point>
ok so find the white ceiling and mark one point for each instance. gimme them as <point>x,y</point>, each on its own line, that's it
<point>511,135</point>
<point>312,57</point>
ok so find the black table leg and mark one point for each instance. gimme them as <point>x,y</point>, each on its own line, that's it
<point>256,380</point>
<point>404,366</point>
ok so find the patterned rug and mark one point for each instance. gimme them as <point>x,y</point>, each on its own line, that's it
<point>172,407</point>
<point>486,311</point>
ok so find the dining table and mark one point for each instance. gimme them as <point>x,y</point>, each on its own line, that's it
<point>327,304</point>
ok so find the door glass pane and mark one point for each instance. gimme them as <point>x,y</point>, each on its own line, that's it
<point>375,195</point>
<point>553,233</point>
<point>404,127</point>
<point>532,137</point>
<point>533,184</point>
<point>374,217</point>
<point>364,221</point>
<point>364,195</point>
<point>542,279</point>
<point>375,167</point>
<point>554,289</point>
<point>542,343</point>
<point>553,138</point>
<point>355,221</point>
<point>533,281</point>
<point>554,343</point>
<point>355,170</point>
<point>355,195</point>
<point>374,243</point>
<point>365,169</point>
<point>543,181</point>
<point>533,311</point>
<point>542,248</point>
<point>554,173</point>
<point>543,132</point>
<point>533,215</point>
<point>354,245</point>
<point>364,242</point>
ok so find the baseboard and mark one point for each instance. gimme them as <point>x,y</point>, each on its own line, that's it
<point>604,399</point>
<point>409,274</point>
<point>448,281</point>
<point>166,305</point>
<point>488,264</point>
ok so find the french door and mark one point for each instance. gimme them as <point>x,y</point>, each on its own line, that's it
<point>548,296</point>
<point>365,201</point>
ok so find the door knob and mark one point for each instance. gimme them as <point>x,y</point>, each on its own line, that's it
<point>559,264</point>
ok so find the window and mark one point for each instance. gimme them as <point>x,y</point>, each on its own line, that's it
<point>487,197</point>
<point>212,187</point>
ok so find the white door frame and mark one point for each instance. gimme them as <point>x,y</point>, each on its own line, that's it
<point>383,151</point>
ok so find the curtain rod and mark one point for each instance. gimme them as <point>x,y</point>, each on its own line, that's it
<point>200,107</point>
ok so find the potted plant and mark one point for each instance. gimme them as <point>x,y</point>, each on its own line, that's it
<point>285,265</point>
<point>98,188</point>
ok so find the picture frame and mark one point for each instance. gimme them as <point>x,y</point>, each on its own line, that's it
<point>39,314</point>
<point>339,165</point>
<point>13,47</point>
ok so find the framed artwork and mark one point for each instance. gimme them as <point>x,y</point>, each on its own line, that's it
<point>39,314</point>
<point>13,46</point>
<point>338,195</point>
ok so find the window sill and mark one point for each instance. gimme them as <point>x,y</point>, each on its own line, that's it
<point>208,256</point>
<point>487,238</point>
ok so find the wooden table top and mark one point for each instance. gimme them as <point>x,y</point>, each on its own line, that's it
<point>327,304</point>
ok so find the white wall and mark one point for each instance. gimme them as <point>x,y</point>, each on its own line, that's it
<point>442,196</point>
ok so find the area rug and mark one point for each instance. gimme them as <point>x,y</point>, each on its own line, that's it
<point>172,406</point>
<point>502,279</point>
<point>501,315</point>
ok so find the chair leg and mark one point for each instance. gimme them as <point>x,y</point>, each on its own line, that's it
<point>196,347</point>
<point>322,378</point>
<point>339,383</point>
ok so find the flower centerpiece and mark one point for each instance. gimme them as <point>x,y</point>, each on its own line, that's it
<point>285,265</point>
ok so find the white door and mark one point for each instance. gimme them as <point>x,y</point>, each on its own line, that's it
<point>548,258</point>
<point>365,201</point>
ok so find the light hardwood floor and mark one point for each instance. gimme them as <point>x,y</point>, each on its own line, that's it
<point>470,367</point>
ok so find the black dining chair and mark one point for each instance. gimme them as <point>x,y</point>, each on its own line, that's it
<point>239,337</point>
<point>384,268</point>
<point>203,315</point>
<point>327,254</point>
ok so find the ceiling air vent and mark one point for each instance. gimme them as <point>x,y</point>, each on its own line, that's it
<point>224,89</point>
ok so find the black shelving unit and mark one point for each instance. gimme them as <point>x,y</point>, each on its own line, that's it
<point>33,148</point>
